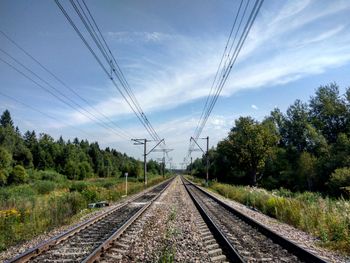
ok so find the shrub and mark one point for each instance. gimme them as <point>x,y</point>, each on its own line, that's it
<point>339,178</point>
<point>71,170</point>
<point>85,170</point>
<point>3,177</point>
<point>18,175</point>
<point>51,176</point>
<point>91,193</point>
<point>78,186</point>
<point>325,218</point>
<point>29,213</point>
<point>44,187</point>
<point>5,159</point>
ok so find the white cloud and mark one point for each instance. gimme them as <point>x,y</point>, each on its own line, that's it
<point>254,107</point>
<point>303,38</point>
<point>128,37</point>
<point>274,54</point>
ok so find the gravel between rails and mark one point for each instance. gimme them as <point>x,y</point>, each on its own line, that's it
<point>22,247</point>
<point>167,232</point>
<point>300,237</point>
<point>250,244</point>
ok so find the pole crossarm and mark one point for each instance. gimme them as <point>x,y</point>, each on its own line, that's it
<point>197,144</point>
<point>162,140</point>
<point>140,141</point>
<point>163,150</point>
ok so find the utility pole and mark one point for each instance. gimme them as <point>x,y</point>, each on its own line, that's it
<point>145,162</point>
<point>206,153</point>
<point>165,151</point>
<point>191,167</point>
<point>145,153</point>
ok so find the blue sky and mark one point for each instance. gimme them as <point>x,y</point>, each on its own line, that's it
<point>169,52</point>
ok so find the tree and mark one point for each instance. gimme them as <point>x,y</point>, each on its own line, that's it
<point>5,165</point>
<point>71,170</point>
<point>328,111</point>
<point>6,120</point>
<point>5,159</point>
<point>339,180</point>
<point>306,172</point>
<point>153,167</point>
<point>3,177</point>
<point>252,144</point>
<point>22,155</point>
<point>18,175</point>
<point>85,170</point>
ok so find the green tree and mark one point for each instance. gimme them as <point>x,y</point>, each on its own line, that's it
<point>18,175</point>
<point>252,144</point>
<point>340,181</point>
<point>329,112</point>
<point>5,165</point>
<point>3,177</point>
<point>6,120</point>
<point>307,171</point>
<point>5,159</point>
<point>71,170</point>
<point>153,167</point>
<point>85,170</point>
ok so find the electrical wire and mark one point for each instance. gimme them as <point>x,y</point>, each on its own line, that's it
<point>225,70</point>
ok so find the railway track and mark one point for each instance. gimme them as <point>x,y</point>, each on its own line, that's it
<point>85,242</point>
<point>242,238</point>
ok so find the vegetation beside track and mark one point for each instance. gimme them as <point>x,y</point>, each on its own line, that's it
<point>45,183</point>
<point>28,210</point>
<point>324,217</point>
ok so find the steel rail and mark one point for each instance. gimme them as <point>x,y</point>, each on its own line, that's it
<point>47,244</point>
<point>107,243</point>
<point>230,252</point>
<point>289,245</point>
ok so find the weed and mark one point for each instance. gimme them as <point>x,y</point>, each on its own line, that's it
<point>325,218</point>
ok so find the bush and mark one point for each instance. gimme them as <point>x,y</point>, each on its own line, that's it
<point>323,217</point>
<point>3,177</point>
<point>85,170</point>
<point>5,159</point>
<point>24,213</point>
<point>44,187</point>
<point>71,170</point>
<point>340,178</point>
<point>78,186</point>
<point>18,175</point>
<point>51,176</point>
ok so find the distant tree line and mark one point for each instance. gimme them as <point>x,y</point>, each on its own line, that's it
<point>77,159</point>
<point>306,148</point>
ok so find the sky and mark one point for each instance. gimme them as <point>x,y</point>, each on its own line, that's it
<point>169,52</point>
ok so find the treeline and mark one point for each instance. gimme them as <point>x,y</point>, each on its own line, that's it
<point>306,148</point>
<point>77,159</point>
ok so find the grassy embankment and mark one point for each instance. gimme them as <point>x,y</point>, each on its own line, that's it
<point>324,217</point>
<point>50,200</point>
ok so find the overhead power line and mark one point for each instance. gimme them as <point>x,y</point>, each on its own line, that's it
<point>53,91</point>
<point>66,86</point>
<point>106,60</point>
<point>41,112</point>
<point>241,26</point>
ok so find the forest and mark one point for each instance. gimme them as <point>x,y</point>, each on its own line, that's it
<point>305,149</point>
<point>77,159</point>
<point>45,183</point>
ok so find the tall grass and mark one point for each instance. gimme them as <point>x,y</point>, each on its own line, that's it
<point>325,218</point>
<point>31,209</point>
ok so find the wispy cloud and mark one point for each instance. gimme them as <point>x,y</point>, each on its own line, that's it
<point>254,107</point>
<point>278,51</point>
<point>128,37</point>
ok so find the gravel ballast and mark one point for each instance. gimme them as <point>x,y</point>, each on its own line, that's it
<point>170,231</point>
